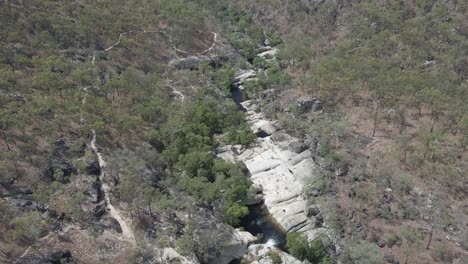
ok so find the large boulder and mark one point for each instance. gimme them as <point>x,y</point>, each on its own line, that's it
<point>94,192</point>
<point>254,195</point>
<point>342,169</point>
<point>269,128</point>
<point>107,223</point>
<point>279,136</point>
<point>170,255</point>
<point>92,166</point>
<point>307,104</point>
<point>63,152</point>
<point>244,75</point>
<point>297,147</point>
<point>58,164</point>
<point>268,54</point>
<point>157,144</point>
<point>99,210</point>
<point>234,245</point>
<point>264,254</point>
<point>226,243</point>
<point>390,258</point>
<point>153,176</point>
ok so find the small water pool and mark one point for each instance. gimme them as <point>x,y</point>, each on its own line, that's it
<point>238,97</point>
<point>259,222</point>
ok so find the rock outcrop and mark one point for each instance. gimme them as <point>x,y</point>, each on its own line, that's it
<point>170,255</point>
<point>268,53</point>
<point>189,63</point>
<point>226,243</point>
<point>243,76</point>
<point>235,245</point>
<point>307,104</point>
<point>48,258</point>
<point>263,254</point>
<point>282,166</point>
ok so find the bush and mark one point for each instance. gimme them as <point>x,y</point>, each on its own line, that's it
<point>275,257</point>
<point>244,137</point>
<point>362,252</point>
<point>300,248</point>
<point>234,213</point>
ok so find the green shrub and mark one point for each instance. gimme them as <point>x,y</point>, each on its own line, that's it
<point>302,249</point>
<point>244,136</point>
<point>393,240</point>
<point>275,257</point>
<point>362,252</point>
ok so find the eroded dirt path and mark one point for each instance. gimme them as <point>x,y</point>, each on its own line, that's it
<point>127,233</point>
<point>175,91</point>
<point>215,39</point>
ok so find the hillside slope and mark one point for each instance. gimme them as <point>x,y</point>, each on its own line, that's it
<point>113,114</point>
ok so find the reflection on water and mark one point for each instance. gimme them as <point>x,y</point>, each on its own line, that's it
<point>238,97</point>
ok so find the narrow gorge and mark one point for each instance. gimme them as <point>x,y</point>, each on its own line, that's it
<point>283,173</point>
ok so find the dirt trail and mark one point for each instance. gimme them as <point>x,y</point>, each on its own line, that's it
<point>175,91</point>
<point>215,39</point>
<point>144,32</point>
<point>113,212</point>
<point>127,233</point>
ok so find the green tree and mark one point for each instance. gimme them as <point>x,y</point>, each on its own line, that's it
<point>234,213</point>
<point>361,252</point>
<point>7,123</point>
<point>302,249</point>
<point>275,257</point>
<point>413,239</point>
<point>27,229</point>
<point>75,203</point>
<point>42,193</point>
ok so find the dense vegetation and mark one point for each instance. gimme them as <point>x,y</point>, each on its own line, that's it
<point>302,249</point>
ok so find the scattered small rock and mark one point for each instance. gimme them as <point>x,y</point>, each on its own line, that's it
<point>389,257</point>
<point>99,210</point>
<point>352,193</point>
<point>279,136</point>
<point>238,149</point>
<point>342,169</point>
<point>381,243</point>
<point>313,191</point>
<point>319,220</point>
<point>313,211</point>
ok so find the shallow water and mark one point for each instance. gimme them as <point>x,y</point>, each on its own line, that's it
<point>260,222</point>
<point>238,97</point>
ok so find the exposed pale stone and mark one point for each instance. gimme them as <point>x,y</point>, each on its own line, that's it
<point>169,255</point>
<point>269,128</point>
<point>259,254</point>
<point>235,246</point>
<point>268,54</point>
<point>282,171</point>
<point>243,75</point>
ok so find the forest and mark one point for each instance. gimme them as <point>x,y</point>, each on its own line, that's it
<point>147,85</point>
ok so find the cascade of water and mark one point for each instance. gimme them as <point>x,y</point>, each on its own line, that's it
<point>271,243</point>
